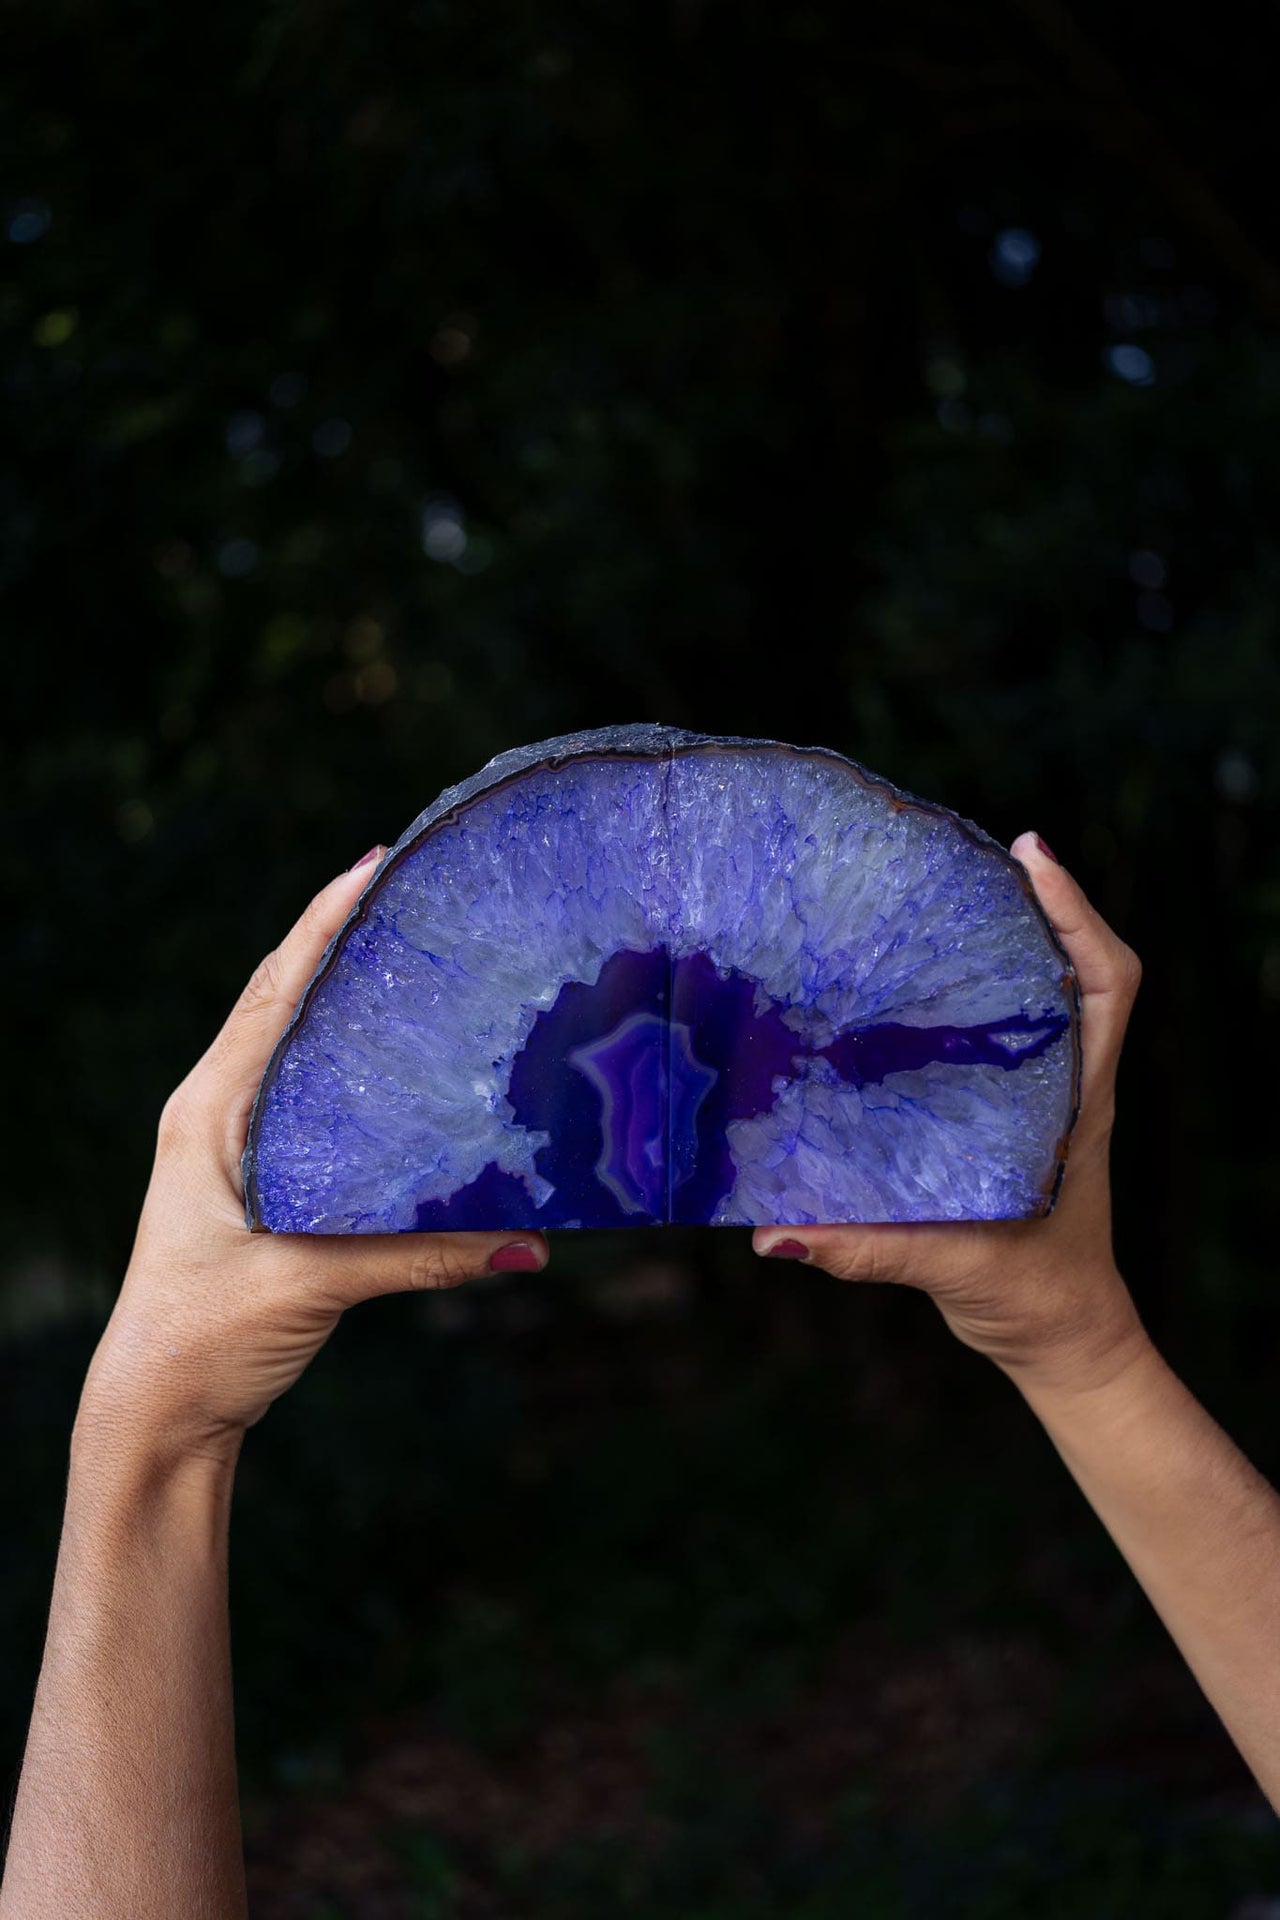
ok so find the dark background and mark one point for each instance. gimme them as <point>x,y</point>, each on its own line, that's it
<point>383,386</point>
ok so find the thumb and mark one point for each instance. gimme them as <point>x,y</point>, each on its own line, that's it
<point>1108,971</point>
<point>239,1054</point>
<point>893,1253</point>
<point>355,1267</point>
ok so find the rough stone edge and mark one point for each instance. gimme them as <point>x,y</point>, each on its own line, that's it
<point>642,740</point>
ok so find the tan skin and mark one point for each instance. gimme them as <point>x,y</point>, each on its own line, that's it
<point>1069,1313</point>
<point>127,1805</point>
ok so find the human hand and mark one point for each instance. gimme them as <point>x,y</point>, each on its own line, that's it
<point>214,1322</point>
<point>1042,1298</point>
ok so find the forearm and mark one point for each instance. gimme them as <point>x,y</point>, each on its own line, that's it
<point>1198,1525</point>
<point>127,1806</point>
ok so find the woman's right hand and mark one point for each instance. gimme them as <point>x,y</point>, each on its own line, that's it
<point>1042,1298</point>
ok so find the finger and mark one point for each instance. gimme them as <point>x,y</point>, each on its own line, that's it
<point>354,1267</point>
<point>1109,973</point>
<point>240,1053</point>
<point>913,1253</point>
<point>1103,963</point>
<point>880,1253</point>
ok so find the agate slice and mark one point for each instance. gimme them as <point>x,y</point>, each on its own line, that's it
<point>642,976</point>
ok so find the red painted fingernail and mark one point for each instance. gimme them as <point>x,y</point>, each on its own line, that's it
<point>365,859</point>
<point>516,1258</point>
<point>787,1250</point>
<point>1047,850</point>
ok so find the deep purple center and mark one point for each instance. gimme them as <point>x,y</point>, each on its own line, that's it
<point>637,1078</point>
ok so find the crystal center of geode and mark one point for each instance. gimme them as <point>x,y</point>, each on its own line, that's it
<point>650,1085</point>
<point>667,1053</point>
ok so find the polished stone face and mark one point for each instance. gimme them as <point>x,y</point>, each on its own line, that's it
<point>641,977</point>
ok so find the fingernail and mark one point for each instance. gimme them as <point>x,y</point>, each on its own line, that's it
<point>787,1250</point>
<point>1047,850</point>
<point>366,859</point>
<point>517,1258</point>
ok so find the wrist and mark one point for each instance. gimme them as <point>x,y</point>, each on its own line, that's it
<point>138,1511</point>
<point>1079,1330</point>
<point>1119,1422</point>
<point>137,1452</point>
<point>147,1407</point>
<point>1093,1365</point>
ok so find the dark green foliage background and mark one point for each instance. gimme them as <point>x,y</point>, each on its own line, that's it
<point>688,315</point>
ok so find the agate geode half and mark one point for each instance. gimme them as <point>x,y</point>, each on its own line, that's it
<point>642,976</point>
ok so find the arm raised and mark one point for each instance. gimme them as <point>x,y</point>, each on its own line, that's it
<point>1044,1299</point>
<point>127,1805</point>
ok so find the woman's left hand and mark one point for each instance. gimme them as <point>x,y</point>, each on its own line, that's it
<point>214,1322</point>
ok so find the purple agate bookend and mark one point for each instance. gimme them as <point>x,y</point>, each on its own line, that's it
<point>641,976</point>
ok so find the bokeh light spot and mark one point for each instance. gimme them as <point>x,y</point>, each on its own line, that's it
<point>134,821</point>
<point>237,558</point>
<point>375,682</point>
<point>1235,775</point>
<point>331,438</point>
<point>244,433</point>
<point>452,340</point>
<point>1014,256</point>
<point>1131,363</point>
<point>29,220</point>
<point>444,537</point>
<point>55,328</point>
